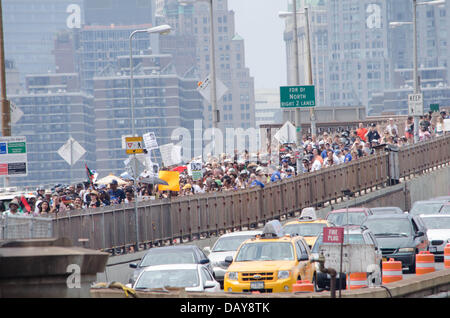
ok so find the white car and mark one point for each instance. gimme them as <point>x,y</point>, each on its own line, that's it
<point>192,277</point>
<point>226,245</point>
<point>438,232</point>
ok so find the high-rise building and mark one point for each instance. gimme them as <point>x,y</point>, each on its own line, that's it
<point>164,102</point>
<point>433,57</point>
<point>54,110</point>
<point>98,46</point>
<point>30,29</point>
<point>118,12</point>
<point>357,55</point>
<point>237,104</point>
<point>348,41</point>
<point>267,107</point>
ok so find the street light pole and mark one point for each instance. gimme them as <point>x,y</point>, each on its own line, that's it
<point>298,132</point>
<point>215,114</point>
<point>415,71</point>
<point>6,112</point>
<point>310,79</point>
<point>162,29</point>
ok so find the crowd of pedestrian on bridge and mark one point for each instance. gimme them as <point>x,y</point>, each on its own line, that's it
<point>239,170</point>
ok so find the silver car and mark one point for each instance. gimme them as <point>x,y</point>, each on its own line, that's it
<point>226,245</point>
<point>438,232</point>
<point>191,277</point>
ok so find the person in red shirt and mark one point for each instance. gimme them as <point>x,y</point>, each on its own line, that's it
<point>361,132</point>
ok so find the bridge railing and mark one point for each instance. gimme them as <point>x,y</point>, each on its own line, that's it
<point>206,214</point>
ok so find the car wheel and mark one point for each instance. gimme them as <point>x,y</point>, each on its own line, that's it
<point>316,288</point>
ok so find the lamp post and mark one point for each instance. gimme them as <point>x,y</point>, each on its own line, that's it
<point>161,29</point>
<point>415,57</point>
<point>296,66</point>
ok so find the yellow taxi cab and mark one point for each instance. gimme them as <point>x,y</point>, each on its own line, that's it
<point>307,225</point>
<point>269,263</point>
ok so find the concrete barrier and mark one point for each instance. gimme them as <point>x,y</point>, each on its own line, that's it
<point>413,287</point>
<point>48,268</point>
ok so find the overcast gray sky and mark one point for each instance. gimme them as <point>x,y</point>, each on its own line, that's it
<point>258,23</point>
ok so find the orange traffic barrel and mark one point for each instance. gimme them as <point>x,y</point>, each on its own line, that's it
<point>424,263</point>
<point>391,271</point>
<point>303,286</point>
<point>357,280</point>
<point>447,256</point>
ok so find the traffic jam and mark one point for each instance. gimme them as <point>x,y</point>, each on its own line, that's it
<point>350,248</point>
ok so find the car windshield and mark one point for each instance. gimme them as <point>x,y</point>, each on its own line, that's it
<point>425,208</point>
<point>437,222</point>
<point>168,278</point>
<point>265,251</point>
<point>304,229</point>
<point>174,256</point>
<point>389,227</point>
<point>354,218</point>
<point>230,243</point>
<point>354,238</point>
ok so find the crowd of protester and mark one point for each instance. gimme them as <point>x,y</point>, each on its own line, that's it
<point>239,170</point>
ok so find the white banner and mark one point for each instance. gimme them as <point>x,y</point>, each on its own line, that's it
<point>150,141</point>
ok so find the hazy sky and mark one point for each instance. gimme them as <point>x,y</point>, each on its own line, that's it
<point>258,23</point>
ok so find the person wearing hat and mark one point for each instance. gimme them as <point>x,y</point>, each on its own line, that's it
<point>95,199</point>
<point>116,194</point>
<point>13,208</point>
<point>372,133</point>
<point>187,189</point>
<point>347,155</point>
<point>305,165</point>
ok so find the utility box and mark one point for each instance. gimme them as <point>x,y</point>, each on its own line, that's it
<point>355,257</point>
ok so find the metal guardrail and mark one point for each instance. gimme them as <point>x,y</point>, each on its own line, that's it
<point>208,214</point>
<point>25,227</point>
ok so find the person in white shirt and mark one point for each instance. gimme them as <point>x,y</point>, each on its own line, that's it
<point>392,128</point>
<point>316,166</point>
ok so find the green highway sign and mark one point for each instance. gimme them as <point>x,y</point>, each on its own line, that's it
<point>16,147</point>
<point>297,96</point>
<point>434,107</point>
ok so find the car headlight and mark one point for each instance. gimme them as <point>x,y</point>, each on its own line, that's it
<point>284,274</point>
<point>232,275</point>
<point>406,250</point>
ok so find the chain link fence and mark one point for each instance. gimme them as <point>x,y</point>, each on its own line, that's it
<point>25,227</point>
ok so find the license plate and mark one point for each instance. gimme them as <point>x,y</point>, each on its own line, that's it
<point>433,249</point>
<point>256,285</point>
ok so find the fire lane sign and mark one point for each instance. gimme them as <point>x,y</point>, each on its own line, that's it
<point>333,235</point>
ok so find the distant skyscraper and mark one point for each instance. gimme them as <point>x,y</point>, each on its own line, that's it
<point>348,49</point>
<point>118,12</point>
<point>267,107</point>
<point>164,102</point>
<point>237,104</point>
<point>356,54</point>
<point>54,110</point>
<point>30,28</point>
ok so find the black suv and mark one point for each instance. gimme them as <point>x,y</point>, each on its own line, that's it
<point>400,236</point>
